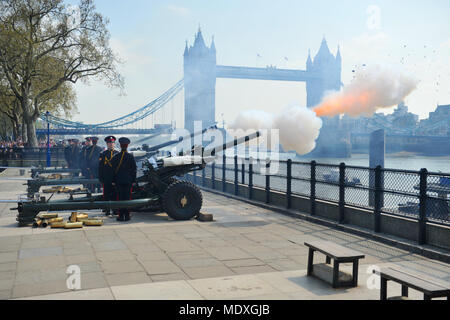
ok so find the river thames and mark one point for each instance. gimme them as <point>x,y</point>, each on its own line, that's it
<point>402,161</point>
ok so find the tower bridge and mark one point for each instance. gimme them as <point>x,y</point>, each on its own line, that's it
<point>323,73</point>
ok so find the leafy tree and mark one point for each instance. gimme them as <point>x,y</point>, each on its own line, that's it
<point>60,102</point>
<point>46,45</point>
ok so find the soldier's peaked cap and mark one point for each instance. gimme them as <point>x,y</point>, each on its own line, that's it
<point>110,139</point>
<point>124,140</point>
<point>94,138</point>
<point>88,138</point>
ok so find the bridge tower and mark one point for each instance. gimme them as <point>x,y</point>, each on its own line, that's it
<point>332,140</point>
<point>199,83</point>
<point>328,68</point>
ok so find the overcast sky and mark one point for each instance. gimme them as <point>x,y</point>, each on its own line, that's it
<point>150,35</point>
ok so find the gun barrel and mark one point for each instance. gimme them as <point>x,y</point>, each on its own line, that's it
<point>233,143</point>
<point>172,142</point>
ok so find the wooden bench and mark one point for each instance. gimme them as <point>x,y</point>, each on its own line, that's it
<point>431,287</point>
<point>340,255</point>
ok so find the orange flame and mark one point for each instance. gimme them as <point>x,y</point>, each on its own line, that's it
<point>352,104</point>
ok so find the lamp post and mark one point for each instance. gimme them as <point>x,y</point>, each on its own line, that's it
<point>48,141</point>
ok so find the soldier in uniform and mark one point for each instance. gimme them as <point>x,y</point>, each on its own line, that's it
<point>124,167</point>
<point>67,153</point>
<point>105,171</point>
<point>75,154</point>
<point>72,153</point>
<point>83,156</point>
<point>92,161</point>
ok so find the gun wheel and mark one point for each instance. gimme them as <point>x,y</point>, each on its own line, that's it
<point>182,200</point>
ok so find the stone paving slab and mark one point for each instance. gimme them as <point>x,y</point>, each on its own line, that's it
<point>170,290</point>
<point>252,269</point>
<point>113,256</point>
<point>160,267</point>
<point>232,287</point>
<point>243,263</point>
<point>169,277</point>
<point>80,258</point>
<point>40,252</point>
<point>121,267</point>
<point>119,279</point>
<point>93,294</point>
<point>10,256</point>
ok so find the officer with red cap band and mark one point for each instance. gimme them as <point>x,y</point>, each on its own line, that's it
<point>124,167</point>
<point>106,172</point>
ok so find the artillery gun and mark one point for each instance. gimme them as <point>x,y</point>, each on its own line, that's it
<point>36,171</point>
<point>157,188</point>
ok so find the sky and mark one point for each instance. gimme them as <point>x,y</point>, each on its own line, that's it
<point>149,36</point>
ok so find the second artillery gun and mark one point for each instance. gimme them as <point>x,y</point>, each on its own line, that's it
<point>157,188</point>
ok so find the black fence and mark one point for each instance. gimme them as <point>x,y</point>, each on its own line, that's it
<point>420,195</point>
<point>25,157</point>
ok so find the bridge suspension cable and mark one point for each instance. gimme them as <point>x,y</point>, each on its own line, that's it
<point>130,118</point>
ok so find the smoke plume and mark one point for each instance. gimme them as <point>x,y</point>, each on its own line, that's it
<point>373,88</point>
<point>299,127</point>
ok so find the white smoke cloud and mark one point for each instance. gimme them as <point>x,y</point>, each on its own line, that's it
<point>298,127</point>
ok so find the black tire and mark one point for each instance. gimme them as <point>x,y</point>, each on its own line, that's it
<point>182,200</point>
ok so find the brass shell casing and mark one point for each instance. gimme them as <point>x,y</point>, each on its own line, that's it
<point>48,215</point>
<point>73,225</point>
<point>81,217</point>
<point>58,225</point>
<point>92,222</point>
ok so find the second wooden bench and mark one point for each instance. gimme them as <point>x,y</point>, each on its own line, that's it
<point>339,254</point>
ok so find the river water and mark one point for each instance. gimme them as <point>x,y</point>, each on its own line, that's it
<point>399,161</point>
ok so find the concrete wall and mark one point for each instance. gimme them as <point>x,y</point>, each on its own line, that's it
<point>437,235</point>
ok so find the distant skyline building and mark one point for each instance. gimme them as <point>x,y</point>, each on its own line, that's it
<point>438,122</point>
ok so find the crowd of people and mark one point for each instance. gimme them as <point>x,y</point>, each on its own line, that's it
<point>115,170</point>
<point>11,149</point>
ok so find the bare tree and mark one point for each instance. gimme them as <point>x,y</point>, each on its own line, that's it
<point>45,44</point>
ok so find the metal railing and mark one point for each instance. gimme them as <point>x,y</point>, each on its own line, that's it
<point>25,157</point>
<point>419,195</point>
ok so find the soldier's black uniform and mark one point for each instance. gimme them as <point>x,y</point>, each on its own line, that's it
<point>75,155</point>
<point>83,159</point>
<point>106,173</point>
<point>72,155</point>
<point>124,167</point>
<point>67,155</point>
<point>92,161</point>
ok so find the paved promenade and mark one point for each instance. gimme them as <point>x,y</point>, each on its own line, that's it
<point>246,253</point>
